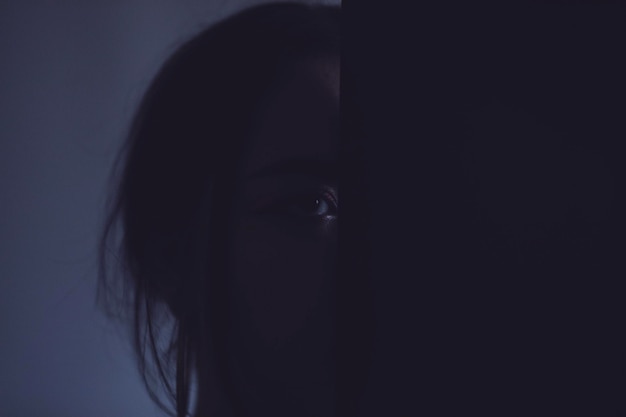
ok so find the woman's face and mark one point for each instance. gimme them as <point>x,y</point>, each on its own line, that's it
<point>283,247</point>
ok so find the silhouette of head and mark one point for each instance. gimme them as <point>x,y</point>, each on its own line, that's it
<point>226,206</point>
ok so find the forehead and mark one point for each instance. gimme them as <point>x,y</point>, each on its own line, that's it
<point>299,118</point>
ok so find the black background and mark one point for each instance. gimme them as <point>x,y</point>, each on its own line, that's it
<point>494,248</point>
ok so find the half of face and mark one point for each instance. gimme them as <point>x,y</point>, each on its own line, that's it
<point>283,247</point>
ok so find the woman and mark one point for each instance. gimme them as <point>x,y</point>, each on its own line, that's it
<point>226,207</point>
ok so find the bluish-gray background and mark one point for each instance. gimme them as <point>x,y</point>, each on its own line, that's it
<point>71,73</point>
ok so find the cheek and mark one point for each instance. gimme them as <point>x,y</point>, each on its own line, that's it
<point>282,330</point>
<point>281,282</point>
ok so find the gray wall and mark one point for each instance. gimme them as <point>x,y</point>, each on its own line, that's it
<point>71,73</point>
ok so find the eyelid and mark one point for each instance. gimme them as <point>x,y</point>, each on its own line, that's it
<point>322,188</point>
<point>332,195</point>
<point>324,191</point>
<point>276,199</point>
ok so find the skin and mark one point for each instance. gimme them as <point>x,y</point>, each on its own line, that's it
<point>282,251</point>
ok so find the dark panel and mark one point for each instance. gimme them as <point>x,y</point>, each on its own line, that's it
<point>489,144</point>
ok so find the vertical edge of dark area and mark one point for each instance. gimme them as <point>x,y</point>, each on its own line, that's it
<point>355,329</point>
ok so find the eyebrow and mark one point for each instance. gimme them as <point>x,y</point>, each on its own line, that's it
<point>320,169</point>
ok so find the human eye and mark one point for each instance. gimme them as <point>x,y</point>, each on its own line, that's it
<point>311,204</point>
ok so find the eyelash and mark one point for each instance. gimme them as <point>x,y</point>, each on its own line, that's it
<point>318,198</point>
<point>289,204</point>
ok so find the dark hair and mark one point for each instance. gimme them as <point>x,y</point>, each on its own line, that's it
<point>168,210</point>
